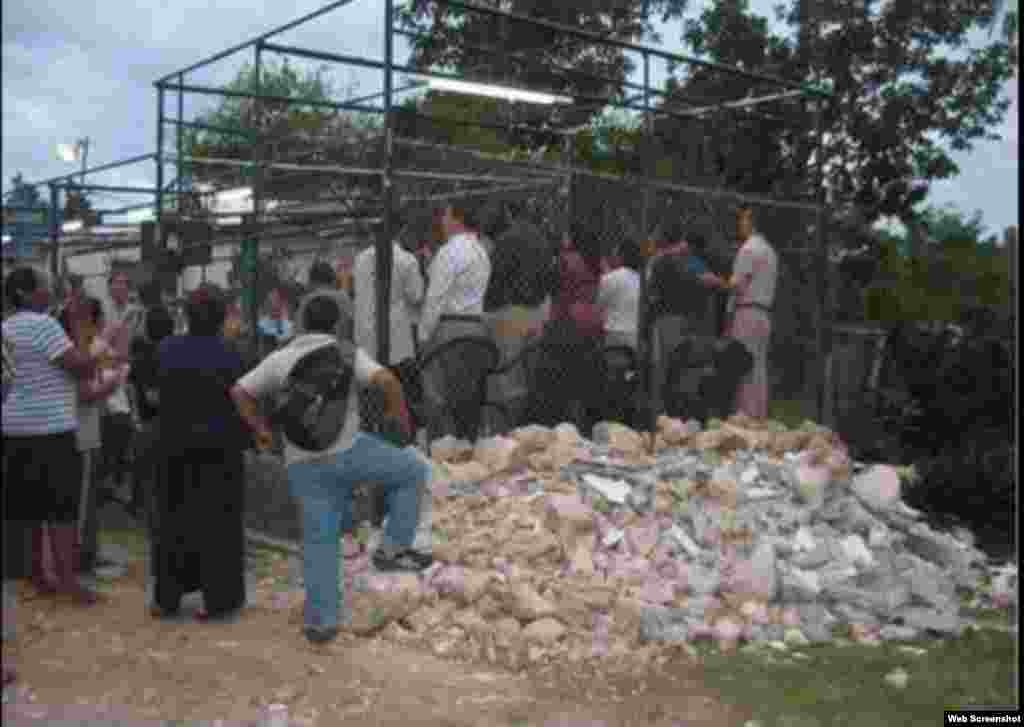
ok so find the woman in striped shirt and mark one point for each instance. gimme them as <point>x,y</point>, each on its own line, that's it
<point>44,469</point>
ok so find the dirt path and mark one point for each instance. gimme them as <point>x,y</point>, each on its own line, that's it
<point>115,662</point>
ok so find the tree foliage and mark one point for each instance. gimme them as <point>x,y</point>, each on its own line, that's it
<point>510,52</point>
<point>240,122</point>
<point>957,272</point>
<point>24,195</point>
<point>905,79</point>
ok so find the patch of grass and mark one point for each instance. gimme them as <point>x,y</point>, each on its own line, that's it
<point>791,412</point>
<point>845,685</point>
<point>132,539</point>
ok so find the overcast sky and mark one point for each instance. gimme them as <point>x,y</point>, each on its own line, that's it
<point>73,70</point>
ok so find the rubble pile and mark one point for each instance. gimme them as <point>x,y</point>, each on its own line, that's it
<point>547,545</point>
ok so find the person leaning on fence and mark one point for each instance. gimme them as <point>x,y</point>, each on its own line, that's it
<point>43,470</point>
<point>453,307</point>
<point>406,296</point>
<point>322,481</point>
<point>679,301</point>
<point>517,304</point>
<point>619,296</point>
<point>200,543</point>
<point>754,277</point>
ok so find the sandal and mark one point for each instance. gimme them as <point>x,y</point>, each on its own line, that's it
<point>10,676</point>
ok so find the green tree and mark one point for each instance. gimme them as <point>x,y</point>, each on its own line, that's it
<point>958,271</point>
<point>23,194</point>
<point>450,39</point>
<point>906,79</point>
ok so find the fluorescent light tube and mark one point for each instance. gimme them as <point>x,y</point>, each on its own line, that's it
<point>502,92</point>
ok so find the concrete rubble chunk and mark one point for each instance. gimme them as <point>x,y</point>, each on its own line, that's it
<point>745,531</point>
<point>496,453</point>
<point>800,585</point>
<point>878,488</point>
<point>449,449</point>
<point>545,631</point>
<point>927,619</point>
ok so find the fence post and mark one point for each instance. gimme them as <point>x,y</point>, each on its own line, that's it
<point>54,235</point>
<point>384,247</point>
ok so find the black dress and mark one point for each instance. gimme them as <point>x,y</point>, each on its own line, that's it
<point>200,543</point>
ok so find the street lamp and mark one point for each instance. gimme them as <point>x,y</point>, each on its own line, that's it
<point>77,152</point>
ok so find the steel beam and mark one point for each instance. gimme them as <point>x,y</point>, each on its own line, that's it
<point>213,91</point>
<point>269,34</point>
<point>90,170</point>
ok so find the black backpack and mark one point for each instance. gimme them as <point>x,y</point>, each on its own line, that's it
<point>312,406</point>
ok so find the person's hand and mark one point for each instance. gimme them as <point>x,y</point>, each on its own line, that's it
<point>264,441</point>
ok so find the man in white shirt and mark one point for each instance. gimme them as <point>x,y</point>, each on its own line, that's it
<point>453,308</point>
<point>406,296</point>
<point>323,481</point>
<point>619,297</point>
<point>755,274</point>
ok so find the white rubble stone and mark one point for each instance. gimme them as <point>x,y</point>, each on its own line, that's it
<point>857,552</point>
<point>894,632</point>
<point>544,631</point>
<point>878,488</point>
<point>800,585</point>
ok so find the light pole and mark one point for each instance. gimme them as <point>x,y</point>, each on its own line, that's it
<point>77,152</point>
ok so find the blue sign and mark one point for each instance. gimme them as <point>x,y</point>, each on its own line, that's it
<point>26,225</point>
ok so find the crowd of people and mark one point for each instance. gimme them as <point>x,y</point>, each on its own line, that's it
<point>88,381</point>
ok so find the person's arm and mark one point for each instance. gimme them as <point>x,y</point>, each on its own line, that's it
<point>442,276</point>
<point>394,400</point>
<point>413,282</point>
<point>246,394</point>
<point>248,409</point>
<point>63,352</point>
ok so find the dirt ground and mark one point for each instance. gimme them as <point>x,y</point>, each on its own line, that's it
<point>114,662</point>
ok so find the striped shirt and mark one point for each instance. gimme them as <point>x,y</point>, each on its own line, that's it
<point>42,399</point>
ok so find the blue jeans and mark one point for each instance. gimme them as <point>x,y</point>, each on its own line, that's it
<point>324,490</point>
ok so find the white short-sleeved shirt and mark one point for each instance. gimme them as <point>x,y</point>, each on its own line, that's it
<point>268,378</point>
<point>619,295</point>
<point>756,258</point>
<point>406,294</point>
<point>43,396</point>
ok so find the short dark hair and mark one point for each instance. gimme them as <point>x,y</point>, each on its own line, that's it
<point>632,256</point>
<point>19,286</point>
<point>321,273</point>
<point>321,314</point>
<point>697,242</point>
<point>159,323</point>
<point>672,230</point>
<point>205,311</point>
<point>467,213</point>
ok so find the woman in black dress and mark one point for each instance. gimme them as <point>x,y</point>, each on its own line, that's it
<point>199,497</point>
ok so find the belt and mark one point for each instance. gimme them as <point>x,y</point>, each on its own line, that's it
<point>760,306</point>
<point>464,319</point>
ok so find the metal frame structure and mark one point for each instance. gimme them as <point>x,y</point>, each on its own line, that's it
<point>178,83</point>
